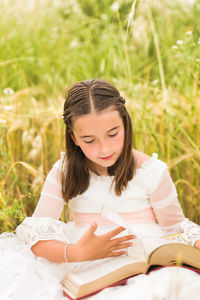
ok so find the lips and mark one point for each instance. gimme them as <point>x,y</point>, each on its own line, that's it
<point>107,157</point>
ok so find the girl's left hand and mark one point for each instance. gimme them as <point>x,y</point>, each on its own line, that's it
<point>197,244</point>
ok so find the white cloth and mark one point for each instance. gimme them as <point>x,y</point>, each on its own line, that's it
<point>24,276</point>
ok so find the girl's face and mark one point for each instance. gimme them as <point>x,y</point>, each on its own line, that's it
<point>101,138</point>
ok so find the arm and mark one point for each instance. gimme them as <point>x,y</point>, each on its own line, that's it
<point>51,202</point>
<point>168,211</point>
<point>43,232</point>
<point>47,236</point>
<point>89,247</point>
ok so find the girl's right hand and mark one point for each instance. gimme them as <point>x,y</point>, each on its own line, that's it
<point>91,246</point>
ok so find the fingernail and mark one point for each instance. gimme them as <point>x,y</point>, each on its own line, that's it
<point>130,244</point>
<point>132,236</point>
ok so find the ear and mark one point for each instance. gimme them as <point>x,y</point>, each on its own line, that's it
<point>74,139</point>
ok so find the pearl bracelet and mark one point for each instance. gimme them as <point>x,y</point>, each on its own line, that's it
<point>65,251</point>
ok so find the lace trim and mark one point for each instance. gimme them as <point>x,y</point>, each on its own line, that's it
<point>101,178</point>
<point>34,229</point>
<point>189,230</point>
<point>146,164</point>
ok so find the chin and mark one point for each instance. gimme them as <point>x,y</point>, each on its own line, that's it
<point>108,163</point>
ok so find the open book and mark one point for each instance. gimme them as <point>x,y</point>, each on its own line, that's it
<point>95,275</point>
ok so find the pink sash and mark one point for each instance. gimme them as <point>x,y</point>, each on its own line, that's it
<point>143,216</point>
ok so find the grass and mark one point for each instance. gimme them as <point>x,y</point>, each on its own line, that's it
<point>150,51</point>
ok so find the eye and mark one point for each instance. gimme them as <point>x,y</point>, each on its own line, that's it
<point>89,142</point>
<point>112,135</point>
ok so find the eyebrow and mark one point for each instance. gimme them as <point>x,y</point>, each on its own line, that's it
<point>89,136</point>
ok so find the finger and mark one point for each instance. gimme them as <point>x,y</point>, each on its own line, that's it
<point>116,253</point>
<point>91,230</point>
<point>115,232</point>
<point>197,244</point>
<point>122,239</point>
<point>122,246</point>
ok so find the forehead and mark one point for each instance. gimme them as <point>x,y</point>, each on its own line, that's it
<point>94,122</point>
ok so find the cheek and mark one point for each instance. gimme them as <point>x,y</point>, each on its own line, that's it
<point>89,150</point>
<point>119,140</point>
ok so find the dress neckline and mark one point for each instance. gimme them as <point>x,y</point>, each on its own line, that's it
<point>144,166</point>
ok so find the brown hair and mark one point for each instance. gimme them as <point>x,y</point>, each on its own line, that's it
<point>83,98</point>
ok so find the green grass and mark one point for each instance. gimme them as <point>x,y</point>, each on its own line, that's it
<point>155,63</point>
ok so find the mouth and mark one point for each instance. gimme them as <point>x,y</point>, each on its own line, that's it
<point>107,157</point>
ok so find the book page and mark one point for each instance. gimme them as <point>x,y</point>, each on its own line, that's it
<point>96,269</point>
<point>151,243</point>
<point>176,237</point>
<point>176,253</point>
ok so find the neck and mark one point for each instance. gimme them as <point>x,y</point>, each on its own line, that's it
<point>98,170</point>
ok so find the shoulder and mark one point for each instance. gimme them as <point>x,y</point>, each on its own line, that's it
<point>150,169</point>
<point>59,163</point>
<point>140,158</point>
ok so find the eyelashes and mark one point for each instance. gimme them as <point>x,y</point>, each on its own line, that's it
<point>88,142</point>
<point>110,135</point>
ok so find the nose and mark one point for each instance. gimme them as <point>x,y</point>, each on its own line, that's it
<point>104,148</point>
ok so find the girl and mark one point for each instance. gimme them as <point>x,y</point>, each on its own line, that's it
<point>99,169</point>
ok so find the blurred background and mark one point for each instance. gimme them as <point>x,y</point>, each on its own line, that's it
<point>150,50</point>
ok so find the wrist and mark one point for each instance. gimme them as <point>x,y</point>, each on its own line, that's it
<point>74,253</point>
<point>67,245</point>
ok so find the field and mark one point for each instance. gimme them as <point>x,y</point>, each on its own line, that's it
<point>149,49</point>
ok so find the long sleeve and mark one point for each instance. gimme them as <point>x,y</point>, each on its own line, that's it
<point>44,223</point>
<point>51,201</point>
<point>34,229</point>
<point>168,211</point>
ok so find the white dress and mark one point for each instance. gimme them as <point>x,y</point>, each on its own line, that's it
<point>150,196</point>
